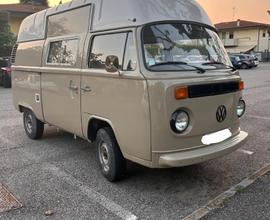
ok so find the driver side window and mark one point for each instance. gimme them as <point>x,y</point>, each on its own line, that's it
<point>119,45</point>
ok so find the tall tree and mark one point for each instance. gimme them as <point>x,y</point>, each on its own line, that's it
<point>7,38</point>
<point>35,2</point>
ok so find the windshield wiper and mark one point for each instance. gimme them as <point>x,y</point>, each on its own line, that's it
<point>218,63</point>
<point>200,70</point>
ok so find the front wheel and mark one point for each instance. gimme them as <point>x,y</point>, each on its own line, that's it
<point>110,157</point>
<point>33,127</point>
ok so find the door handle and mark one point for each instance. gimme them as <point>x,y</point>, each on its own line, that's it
<point>86,89</point>
<point>72,86</point>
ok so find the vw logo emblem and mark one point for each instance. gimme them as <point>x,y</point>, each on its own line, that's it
<point>221,113</point>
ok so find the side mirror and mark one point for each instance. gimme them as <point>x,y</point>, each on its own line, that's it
<point>112,64</point>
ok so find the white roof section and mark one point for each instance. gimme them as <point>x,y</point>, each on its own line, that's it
<point>113,14</point>
<point>120,13</point>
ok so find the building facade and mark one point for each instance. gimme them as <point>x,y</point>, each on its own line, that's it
<point>245,36</point>
<point>15,13</point>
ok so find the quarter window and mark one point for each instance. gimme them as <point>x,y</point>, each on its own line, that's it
<point>63,52</point>
<point>107,45</point>
<point>130,61</point>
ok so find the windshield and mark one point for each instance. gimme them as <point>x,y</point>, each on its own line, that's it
<point>177,46</point>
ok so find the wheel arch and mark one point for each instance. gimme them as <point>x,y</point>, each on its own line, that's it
<point>22,106</point>
<point>95,123</point>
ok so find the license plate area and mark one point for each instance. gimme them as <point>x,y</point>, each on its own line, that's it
<point>217,137</point>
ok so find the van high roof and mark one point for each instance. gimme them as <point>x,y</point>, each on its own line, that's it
<point>115,14</point>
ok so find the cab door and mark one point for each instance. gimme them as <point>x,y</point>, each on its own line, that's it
<point>120,98</point>
<point>60,83</point>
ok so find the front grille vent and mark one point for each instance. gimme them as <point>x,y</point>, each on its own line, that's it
<point>196,91</point>
<point>13,53</point>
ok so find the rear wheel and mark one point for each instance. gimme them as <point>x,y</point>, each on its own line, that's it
<point>109,155</point>
<point>33,127</point>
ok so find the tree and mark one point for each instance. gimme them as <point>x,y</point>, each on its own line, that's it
<point>35,2</point>
<point>7,38</point>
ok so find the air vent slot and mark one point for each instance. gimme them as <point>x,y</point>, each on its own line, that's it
<point>13,53</point>
<point>213,89</point>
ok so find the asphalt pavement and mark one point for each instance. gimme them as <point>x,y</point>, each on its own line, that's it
<point>251,203</point>
<point>58,175</point>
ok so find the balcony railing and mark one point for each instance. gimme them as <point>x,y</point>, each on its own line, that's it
<point>230,42</point>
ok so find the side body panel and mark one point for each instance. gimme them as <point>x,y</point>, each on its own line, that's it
<point>61,90</point>
<point>26,77</point>
<point>61,71</point>
<point>124,102</point>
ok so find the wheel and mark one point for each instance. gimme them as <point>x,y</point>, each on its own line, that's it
<point>244,66</point>
<point>6,81</point>
<point>33,127</point>
<point>109,155</point>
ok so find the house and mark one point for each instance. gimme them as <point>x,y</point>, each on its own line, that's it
<point>15,13</point>
<point>242,36</point>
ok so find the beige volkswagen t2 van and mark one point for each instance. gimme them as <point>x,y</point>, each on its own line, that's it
<point>147,81</point>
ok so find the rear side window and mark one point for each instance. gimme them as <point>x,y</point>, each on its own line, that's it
<point>63,52</point>
<point>120,45</point>
<point>74,21</point>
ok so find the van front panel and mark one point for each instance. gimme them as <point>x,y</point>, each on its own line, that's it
<point>202,112</point>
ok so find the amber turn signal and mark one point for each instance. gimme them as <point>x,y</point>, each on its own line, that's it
<point>241,85</point>
<point>181,93</point>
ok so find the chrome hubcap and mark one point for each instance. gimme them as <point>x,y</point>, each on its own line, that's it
<point>29,123</point>
<point>104,156</point>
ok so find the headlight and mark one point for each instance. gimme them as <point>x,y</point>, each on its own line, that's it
<point>241,108</point>
<point>179,121</point>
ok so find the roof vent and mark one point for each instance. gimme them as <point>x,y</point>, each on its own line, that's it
<point>13,53</point>
<point>238,23</point>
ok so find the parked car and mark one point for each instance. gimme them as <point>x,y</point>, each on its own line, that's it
<point>112,79</point>
<point>5,72</point>
<point>256,60</point>
<point>242,61</point>
<point>236,62</point>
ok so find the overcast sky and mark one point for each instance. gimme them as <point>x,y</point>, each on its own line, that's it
<point>254,10</point>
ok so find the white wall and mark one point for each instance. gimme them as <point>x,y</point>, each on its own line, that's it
<point>249,37</point>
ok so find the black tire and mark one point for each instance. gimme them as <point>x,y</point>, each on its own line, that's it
<point>33,127</point>
<point>6,81</point>
<point>109,155</point>
<point>244,66</point>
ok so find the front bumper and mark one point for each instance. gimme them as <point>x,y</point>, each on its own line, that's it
<point>198,155</point>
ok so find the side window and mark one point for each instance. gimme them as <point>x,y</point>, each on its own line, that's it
<point>63,52</point>
<point>107,45</point>
<point>64,23</point>
<point>130,61</point>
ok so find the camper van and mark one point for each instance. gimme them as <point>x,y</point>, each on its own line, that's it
<point>146,81</point>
